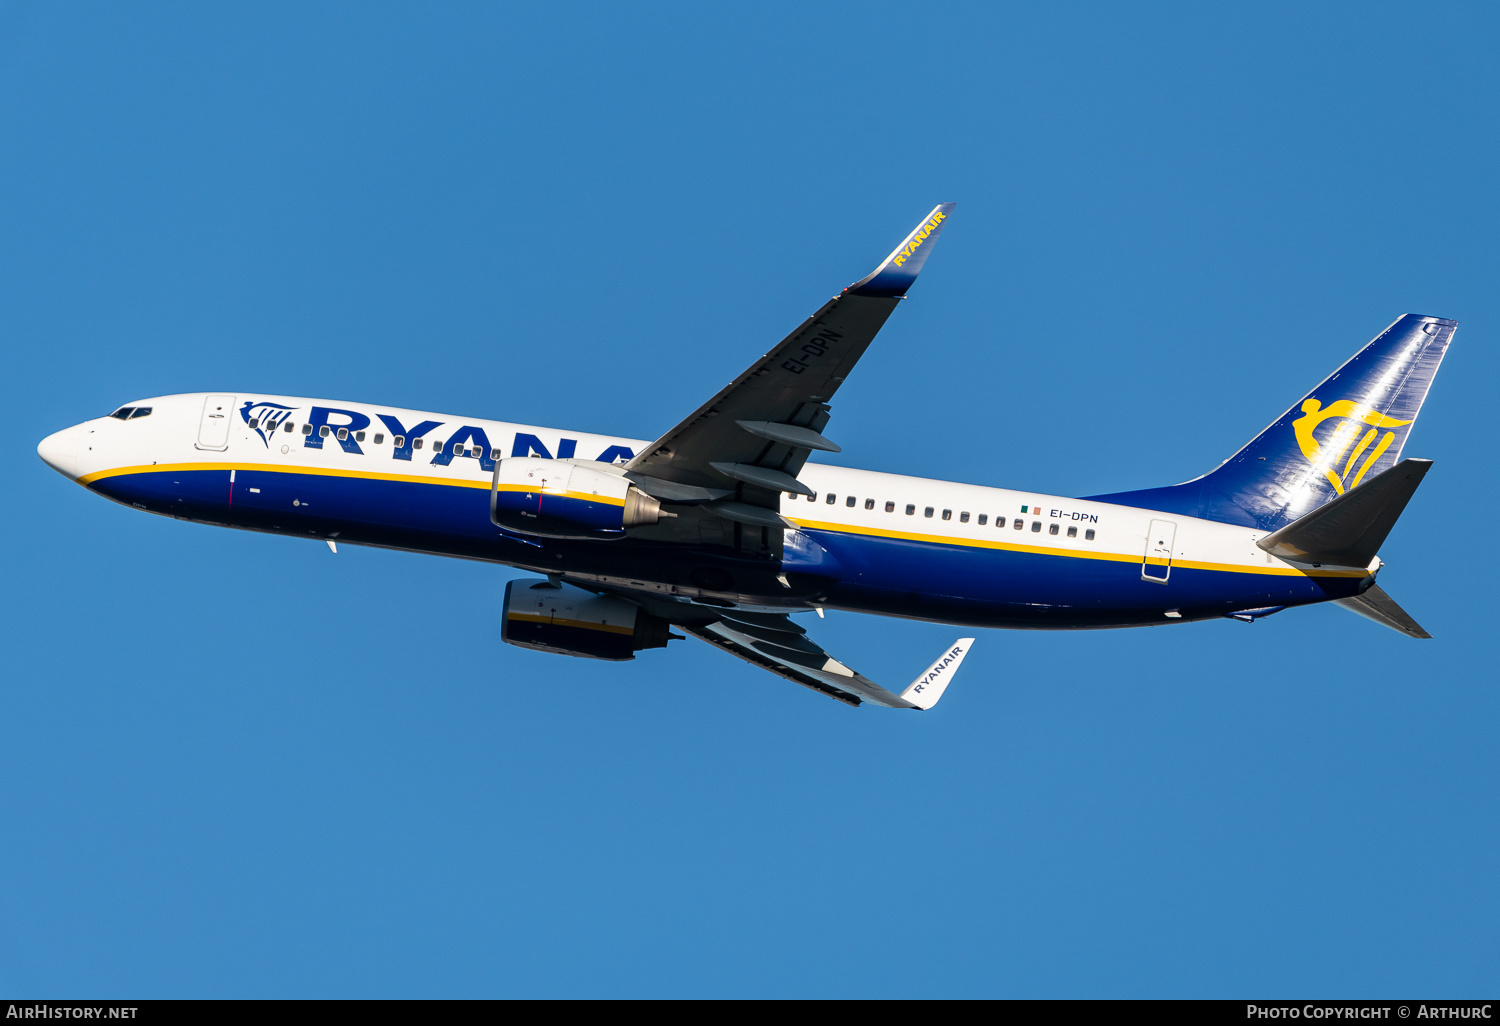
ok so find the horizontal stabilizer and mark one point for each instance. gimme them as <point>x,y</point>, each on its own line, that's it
<point>1375,604</point>
<point>1350,530</point>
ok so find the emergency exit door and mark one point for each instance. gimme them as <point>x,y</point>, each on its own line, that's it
<point>1157,565</point>
<point>213,429</point>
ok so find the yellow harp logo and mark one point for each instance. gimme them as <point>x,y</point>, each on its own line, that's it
<point>1326,456</point>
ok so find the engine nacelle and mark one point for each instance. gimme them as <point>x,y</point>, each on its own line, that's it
<point>567,499</point>
<point>570,621</point>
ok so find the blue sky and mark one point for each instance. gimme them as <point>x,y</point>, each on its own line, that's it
<point>237,765</point>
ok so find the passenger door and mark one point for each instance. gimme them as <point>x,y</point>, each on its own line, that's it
<point>1157,564</point>
<point>213,429</point>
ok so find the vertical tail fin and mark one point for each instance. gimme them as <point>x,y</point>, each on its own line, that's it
<point>1349,429</point>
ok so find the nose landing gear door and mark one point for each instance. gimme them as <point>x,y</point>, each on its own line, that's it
<point>213,429</point>
<point>1157,566</point>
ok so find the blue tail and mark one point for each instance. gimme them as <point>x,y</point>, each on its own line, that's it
<point>1347,430</point>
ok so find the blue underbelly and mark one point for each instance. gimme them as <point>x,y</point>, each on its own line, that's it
<point>897,577</point>
<point>1000,587</point>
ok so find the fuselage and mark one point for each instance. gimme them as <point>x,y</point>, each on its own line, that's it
<point>357,473</point>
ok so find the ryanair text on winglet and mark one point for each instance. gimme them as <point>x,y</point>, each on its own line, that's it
<point>937,671</point>
<point>918,237</point>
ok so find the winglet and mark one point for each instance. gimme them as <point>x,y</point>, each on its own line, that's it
<point>925,691</point>
<point>900,269</point>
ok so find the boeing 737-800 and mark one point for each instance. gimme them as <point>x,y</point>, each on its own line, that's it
<point>722,529</point>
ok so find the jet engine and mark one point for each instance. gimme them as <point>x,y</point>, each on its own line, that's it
<point>560,618</point>
<point>567,499</point>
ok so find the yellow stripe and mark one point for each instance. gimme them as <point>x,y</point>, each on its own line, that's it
<point>558,621</point>
<point>1042,550</point>
<point>875,532</point>
<point>275,468</point>
<point>368,475</point>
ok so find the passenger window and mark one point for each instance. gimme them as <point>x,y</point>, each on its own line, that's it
<point>1072,532</point>
<point>359,436</point>
<point>963,518</point>
<point>849,501</point>
<point>791,495</point>
<point>890,507</point>
<point>123,413</point>
<point>254,423</point>
<point>307,429</point>
<point>1088,535</point>
<point>141,411</point>
<point>869,504</point>
<point>947,514</point>
<point>812,496</point>
<point>1036,526</point>
<point>343,434</point>
<point>910,509</point>
<point>380,438</point>
<point>437,446</point>
<point>289,427</point>
<point>494,454</point>
<point>1019,524</point>
<point>324,431</point>
<point>983,519</point>
<point>399,441</point>
<point>1051,528</point>
<point>927,512</point>
<point>416,444</point>
<point>832,498</point>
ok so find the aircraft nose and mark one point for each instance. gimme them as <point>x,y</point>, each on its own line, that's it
<point>60,451</point>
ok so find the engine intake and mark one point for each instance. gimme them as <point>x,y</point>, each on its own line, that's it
<point>567,499</point>
<point>566,620</point>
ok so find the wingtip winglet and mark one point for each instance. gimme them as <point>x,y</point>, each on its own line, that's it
<point>924,692</point>
<point>897,272</point>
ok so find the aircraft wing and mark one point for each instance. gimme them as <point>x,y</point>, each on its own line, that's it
<point>773,642</point>
<point>749,442</point>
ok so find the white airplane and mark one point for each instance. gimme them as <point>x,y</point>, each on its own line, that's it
<point>722,528</point>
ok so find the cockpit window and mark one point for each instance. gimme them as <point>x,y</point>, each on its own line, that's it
<point>141,411</point>
<point>123,413</point>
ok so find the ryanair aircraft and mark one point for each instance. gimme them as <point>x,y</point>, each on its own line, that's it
<point>723,529</point>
